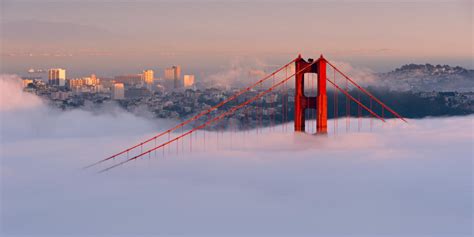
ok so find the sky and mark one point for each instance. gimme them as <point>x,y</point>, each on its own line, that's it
<point>399,179</point>
<point>109,38</point>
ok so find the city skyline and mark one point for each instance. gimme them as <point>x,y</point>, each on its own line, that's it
<point>236,118</point>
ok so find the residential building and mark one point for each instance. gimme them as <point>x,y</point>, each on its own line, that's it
<point>26,82</point>
<point>173,73</point>
<point>75,83</point>
<point>188,81</point>
<point>57,76</point>
<point>92,80</point>
<point>133,79</point>
<point>118,91</point>
<point>148,77</point>
<point>132,93</point>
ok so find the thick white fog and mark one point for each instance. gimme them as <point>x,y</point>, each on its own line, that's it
<point>400,179</point>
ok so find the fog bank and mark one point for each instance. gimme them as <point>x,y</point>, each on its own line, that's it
<point>399,180</point>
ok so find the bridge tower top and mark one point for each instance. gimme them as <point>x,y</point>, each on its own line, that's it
<point>303,102</point>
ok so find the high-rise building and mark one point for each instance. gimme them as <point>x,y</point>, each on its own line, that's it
<point>147,76</point>
<point>188,80</point>
<point>173,73</point>
<point>57,76</point>
<point>118,91</point>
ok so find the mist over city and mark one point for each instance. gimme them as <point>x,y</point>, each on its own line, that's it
<point>239,118</point>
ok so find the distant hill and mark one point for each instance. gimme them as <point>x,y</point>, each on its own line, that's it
<point>427,77</point>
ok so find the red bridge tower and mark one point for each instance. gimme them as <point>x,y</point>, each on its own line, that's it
<point>302,102</point>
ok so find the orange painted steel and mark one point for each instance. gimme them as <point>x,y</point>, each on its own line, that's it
<point>319,102</point>
<point>322,99</point>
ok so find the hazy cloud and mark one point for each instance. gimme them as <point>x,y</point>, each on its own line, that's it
<point>12,97</point>
<point>238,73</point>
<point>361,75</point>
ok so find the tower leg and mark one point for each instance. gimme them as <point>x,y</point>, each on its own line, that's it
<point>299,97</point>
<point>322,100</point>
<point>300,120</point>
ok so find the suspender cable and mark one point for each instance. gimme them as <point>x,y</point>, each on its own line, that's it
<point>357,102</point>
<point>371,116</point>
<point>335,102</point>
<point>367,93</point>
<point>347,107</point>
<point>198,115</point>
<point>358,112</point>
<point>313,110</point>
<point>210,121</point>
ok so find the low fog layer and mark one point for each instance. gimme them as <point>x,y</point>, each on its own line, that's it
<point>400,179</point>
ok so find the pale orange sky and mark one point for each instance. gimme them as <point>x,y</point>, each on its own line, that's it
<point>380,34</point>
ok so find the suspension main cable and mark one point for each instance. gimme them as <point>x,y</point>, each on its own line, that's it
<point>210,121</point>
<point>196,116</point>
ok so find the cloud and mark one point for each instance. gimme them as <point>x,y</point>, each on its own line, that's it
<point>238,73</point>
<point>361,75</point>
<point>241,71</point>
<point>12,97</point>
<point>26,116</point>
<point>399,180</point>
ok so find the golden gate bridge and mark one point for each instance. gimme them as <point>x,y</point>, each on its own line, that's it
<point>326,72</point>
